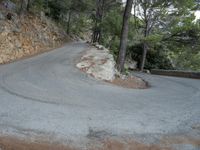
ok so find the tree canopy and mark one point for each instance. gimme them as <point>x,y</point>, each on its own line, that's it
<point>162,34</point>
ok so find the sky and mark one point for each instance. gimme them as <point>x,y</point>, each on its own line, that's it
<point>197,14</point>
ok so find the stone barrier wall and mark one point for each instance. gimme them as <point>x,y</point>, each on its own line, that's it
<point>176,73</point>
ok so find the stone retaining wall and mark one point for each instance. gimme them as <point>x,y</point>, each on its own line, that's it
<point>176,73</point>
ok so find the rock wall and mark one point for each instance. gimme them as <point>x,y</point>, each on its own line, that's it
<point>27,35</point>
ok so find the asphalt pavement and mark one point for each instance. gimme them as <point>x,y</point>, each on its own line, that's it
<point>47,95</point>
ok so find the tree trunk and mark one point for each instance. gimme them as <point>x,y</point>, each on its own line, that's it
<point>124,36</point>
<point>28,5</point>
<point>25,6</point>
<point>146,34</point>
<point>144,54</point>
<point>21,7</point>
<point>68,22</point>
<point>95,33</point>
<point>98,19</point>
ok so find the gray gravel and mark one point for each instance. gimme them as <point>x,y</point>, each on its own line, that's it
<point>47,95</point>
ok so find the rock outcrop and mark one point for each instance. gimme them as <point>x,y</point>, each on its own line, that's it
<point>27,35</point>
<point>99,63</point>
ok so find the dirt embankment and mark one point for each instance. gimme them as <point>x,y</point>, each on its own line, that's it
<point>27,35</point>
<point>130,82</point>
<point>7,143</point>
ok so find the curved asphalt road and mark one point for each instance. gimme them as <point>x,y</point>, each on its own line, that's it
<point>48,95</point>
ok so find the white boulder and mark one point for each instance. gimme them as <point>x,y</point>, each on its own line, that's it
<point>98,63</point>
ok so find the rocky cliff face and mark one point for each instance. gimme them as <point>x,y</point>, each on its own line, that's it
<point>27,35</point>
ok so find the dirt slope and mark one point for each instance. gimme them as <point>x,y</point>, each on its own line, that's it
<point>27,35</point>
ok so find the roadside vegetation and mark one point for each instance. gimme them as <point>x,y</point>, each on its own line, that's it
<point>152,34</point>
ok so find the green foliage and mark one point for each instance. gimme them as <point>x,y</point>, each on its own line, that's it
<point>170,31</point>
<point>80,25</point>
<point>153,39</point>
<point>174,30</point>
<point>156,57</point>
<point>173,37</point>
<point>182,41</point>
<point>57,8</point>
<point>40,5</point>
<point>73,15</point>
<point>156,60</point>
<point>111,29</point>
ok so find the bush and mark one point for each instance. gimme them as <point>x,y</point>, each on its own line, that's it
<point>156,59</point>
